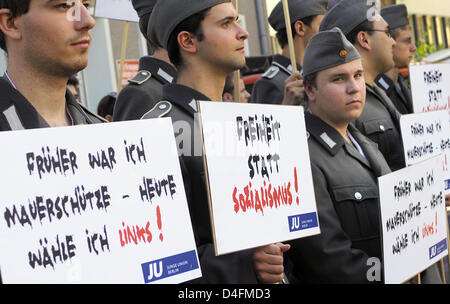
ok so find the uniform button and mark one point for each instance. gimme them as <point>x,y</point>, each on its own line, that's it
<point>382,128</point>
<point>162,107</point>
<point>358,196</point>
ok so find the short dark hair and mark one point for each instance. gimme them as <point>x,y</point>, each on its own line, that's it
<point>282,34</point>
<point>193,25</point>
<point>365,26</point>
<point>396,32</point>
<point>106,105</point>
<point>73,80</point>
<point>143,26</point>
<point>17,8</point>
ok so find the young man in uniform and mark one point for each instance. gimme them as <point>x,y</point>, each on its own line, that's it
<point>380,119</point>
<point>45,47</point>
<point>306,16</point>
<point>144,91</point>
<point>393,82</point>
<point>345,166</point>
<point>206,43</point>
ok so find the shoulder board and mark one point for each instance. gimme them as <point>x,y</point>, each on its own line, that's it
<point>161,109</point>
<point>92,113</point>
<point>141,77</point>
<point>271,72</point>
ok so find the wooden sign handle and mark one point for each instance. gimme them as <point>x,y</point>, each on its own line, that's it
<point>287,19</point>
<point>123,55</point>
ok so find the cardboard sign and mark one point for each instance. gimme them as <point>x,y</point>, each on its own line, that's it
<point>426,135</point>
<point>430,87</point>
<point>95,204</point>
<point>258,174</point>
<point>116,9</point>
<point>413,218</point>
<point>130,69</point>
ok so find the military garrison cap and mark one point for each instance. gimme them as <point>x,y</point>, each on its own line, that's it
<point>326,50</point>
<point>143,7</point>
<point>298,9</point>
<point>347,15</point>
<point>168,14</point>
<point>395,15</point>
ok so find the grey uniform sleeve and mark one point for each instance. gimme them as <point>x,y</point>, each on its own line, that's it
<point>328,257</point>
<point>266,92</point>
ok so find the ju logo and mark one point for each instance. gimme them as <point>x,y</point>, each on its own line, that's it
<point>302,221</point>
<point>170,266</point>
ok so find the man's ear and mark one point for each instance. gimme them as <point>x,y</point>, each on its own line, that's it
<point>363,39</point>
<point>8,25</point>
<point>300,28</point>
<point>227,97</point>
<point>310,93</point>
<point>187,42</point>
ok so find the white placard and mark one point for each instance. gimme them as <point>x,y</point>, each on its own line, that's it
<point>430,87</point>
<point>95,204</point>
<point>413,218</point>
<point>259,174</point>
<point>116,9</point>
<point>426,135</point>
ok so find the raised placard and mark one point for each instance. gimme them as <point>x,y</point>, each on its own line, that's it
<point>258,174</point>
<point>116,9</point>
<point>95,204</point>
<point>413,218</point>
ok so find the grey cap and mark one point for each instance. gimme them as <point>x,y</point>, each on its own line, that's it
<point>332,3</point>
<point>143,7</point>
<point>168,14</point>
<point>347,15</point>
<point>326,50</point>
<point>298,9</point>
<point>395,15</point>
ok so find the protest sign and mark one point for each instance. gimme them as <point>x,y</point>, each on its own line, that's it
<point>116,9</point>
<point>430,87</point>
<point>426,135</point>
<point>413,218</point>
<point>95,204</point>
<point>258,174</point>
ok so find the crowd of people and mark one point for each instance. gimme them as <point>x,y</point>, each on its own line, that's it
<point>347,78</point>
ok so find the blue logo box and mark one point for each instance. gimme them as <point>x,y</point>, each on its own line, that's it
<point>438,248</point>
<point>302,221</point>
<point>170,266</point>
<point>447,184</point>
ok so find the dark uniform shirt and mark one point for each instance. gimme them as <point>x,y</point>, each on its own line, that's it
<point>346,190</point>
<point>400,93</point>
<point>269,89</point>
<point>17,113</point>
<point>179,104</point>
<point>380,121</point>
<point>144,91</point>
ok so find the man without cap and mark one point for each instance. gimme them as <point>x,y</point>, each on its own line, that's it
<point>228,91</point>
<point>45,47</point>
<point>345,166</point>
<point>144,91</point>
<point>205,42</point>
<point>393,82</point>
<point>380,119</point>
<point>278,85</point>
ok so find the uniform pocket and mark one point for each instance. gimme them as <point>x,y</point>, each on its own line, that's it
<point>358,210</point>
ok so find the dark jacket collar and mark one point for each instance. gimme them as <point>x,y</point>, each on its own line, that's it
<point>161,70</point>
<point>284,62</point>
<point>323,133</point>
<point>183,96</point>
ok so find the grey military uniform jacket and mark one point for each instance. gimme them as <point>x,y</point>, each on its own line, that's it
<point>179,104</point>
<point>269,89</point>
<point>144,91</point>
<point>380,121</point>
<point>346,190</point>
<point>400,93</point>
<point>17,113</point>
